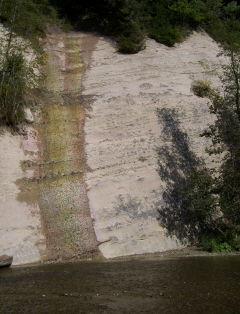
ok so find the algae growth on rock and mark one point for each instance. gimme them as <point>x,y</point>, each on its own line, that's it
<point>62,190</point>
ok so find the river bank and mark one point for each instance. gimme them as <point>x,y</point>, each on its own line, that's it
<point>187,252</point>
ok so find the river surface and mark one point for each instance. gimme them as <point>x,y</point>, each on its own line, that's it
<point>180,285</point>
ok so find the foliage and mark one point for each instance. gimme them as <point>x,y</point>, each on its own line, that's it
<point>13,88</point>
<point>166,21</point>
<point>167,35</point>
<point>193,205</point>
<point>203,205</point>
<point>128,46</point>
<point>235,243</point>
<point>18,78</point>
<point>189,202</point>
<point>225,135</point>
<point>214,246</point>
<point>202,88</point>
<point>188,12</point>
<point>27,18</point>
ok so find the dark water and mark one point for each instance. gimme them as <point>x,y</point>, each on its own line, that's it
<point>185,285</point>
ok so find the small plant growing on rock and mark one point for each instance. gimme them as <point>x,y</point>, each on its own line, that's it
<point>202,88</point>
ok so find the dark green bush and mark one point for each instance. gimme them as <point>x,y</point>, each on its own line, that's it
<point>163,20</point>
<point>235,243</point>
<point>16,78</point>
<point>167,36</point>
<point>128,46</point>
<point>214,246</point>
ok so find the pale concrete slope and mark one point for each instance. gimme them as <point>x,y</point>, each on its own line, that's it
<point>124,134</point>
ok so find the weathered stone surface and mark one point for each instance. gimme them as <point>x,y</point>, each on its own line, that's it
<point>28,115</point>
<point>124,134</point>
<point>63,199</point>
<point>5,260</point>
<point>93,154</point>
<point>20,219</point>
<point>44,213</point>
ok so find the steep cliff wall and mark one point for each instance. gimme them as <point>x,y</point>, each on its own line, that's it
<point>85,174</point>
<point>45,213</point>
<point>125,132</point>
<point>20,218</point>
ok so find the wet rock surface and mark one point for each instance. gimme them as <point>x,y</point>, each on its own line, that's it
<point>66,218</point>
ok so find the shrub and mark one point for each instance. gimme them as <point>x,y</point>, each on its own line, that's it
<point>16,81</point>
<point>167,36</point>
<point>213,246</point>
<point>127,45</point>
<point>235,243</point>
<point>202,88</point>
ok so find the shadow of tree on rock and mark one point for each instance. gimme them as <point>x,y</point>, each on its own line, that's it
<point>186,213</point>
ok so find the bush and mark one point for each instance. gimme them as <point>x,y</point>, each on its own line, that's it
<point>16,80</point>
<point>126,45</point>
<point>213,246</point>
<point>25,18</point>
<point>235,243</point>
<point>202,88</point>
<point>167,36</point>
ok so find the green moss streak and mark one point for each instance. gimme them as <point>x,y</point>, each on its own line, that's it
<point>63,198</point>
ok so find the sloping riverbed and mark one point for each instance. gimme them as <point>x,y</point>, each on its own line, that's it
<point>179,285</point>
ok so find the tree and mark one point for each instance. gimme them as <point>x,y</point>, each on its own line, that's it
<point>12,89</point>
<point>225,136</point>
<point>17,76</point>
<point>200,202</point>
<point>26,18</point>
<point>189,201</point>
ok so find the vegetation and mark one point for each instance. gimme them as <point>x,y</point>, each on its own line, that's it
<point>26,18</point>
<point>128,21</point>
<point>203,205</point>
<point>202,88</point>
<point>18,78</point>
<point>166,21</point>
<point>190,204</point>
<point>15,80</point>
<point>225,136</point>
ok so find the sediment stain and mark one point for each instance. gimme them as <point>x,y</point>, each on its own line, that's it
<point>63,198</point>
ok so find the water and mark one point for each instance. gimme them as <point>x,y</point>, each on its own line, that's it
<point>184,285</point>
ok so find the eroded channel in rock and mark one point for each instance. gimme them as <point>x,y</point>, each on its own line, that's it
<point>62,191</point>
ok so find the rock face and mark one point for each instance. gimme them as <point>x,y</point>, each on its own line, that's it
<point>45,212</point>
<point>124,134</point>
<point>20,219</point>
<point>85,175</point>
